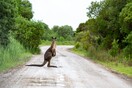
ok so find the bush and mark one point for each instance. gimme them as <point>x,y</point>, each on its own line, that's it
<point>128,49</point>
<point>77,45</point>
<point>29,34</point>
<point>114,50</point>
<point>87,39</point>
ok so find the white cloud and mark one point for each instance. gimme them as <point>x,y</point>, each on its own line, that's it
<point>61,12</point>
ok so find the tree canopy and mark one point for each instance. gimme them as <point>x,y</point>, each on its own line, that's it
<point>109,25</point>
<point>15,20</point>
<point>8,12</point>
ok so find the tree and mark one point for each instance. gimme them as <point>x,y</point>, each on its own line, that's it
<point>81,27</point>
<point>126,19</point>
<point>29,33</point>
<point>107,21</point>
<point>66,32</point>
<point>55,28</point>
<point>8,12</point>
<point>94,9</point>
<point>63,33</point>
<point>25,9</point>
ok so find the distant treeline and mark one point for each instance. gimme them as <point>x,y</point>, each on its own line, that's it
<point>63,33</point>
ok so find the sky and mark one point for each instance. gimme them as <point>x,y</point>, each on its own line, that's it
<point>61,12</point>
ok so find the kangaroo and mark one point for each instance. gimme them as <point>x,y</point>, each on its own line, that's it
<point>51,52</point>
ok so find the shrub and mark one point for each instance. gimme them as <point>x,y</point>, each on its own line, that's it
<point>29,34</point>
<point>77,45</point>
<point>114,50</point>
<point>128,49</point>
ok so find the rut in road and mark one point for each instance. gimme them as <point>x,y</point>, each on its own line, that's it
<point>73,72</point>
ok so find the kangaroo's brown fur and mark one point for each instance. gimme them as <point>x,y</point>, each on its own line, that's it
<point>51,52</point>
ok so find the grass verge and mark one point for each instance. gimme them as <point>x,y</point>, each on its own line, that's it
<point>13,55</point>
<point>114,66</point>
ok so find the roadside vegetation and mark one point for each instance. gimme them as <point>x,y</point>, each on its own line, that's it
<point>13,55</point>
<point>20,36</point>
<point>104,58</point>
<point>106,36</point>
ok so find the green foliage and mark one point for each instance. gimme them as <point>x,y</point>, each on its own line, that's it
<point>126,18</point>
<point>48,34</point>
<point>120,68</point>
<point>94,9</point>
<point>25,9</point>
<point>115,47</point>
<point>108,20</point>
<point>12,55</point>
<point>81,27</point>
<point>8,11</point>
<point>29,34</point>
<point>128,49</point>
<point>63,33</point>
<point>77,45</point>
<point>104,23</point>
<point>86,39</point>
<point>15,18</point>
<point>106,43</point>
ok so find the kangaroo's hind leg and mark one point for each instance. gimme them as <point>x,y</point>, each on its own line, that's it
<point>50,65</point>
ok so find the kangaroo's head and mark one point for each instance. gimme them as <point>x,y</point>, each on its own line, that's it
<point>53,45</point>
<point>53,38</point>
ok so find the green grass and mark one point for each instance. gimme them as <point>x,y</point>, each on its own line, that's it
<point>99,57</point>
<point>81,52</point>
<point>58,43</point>
<point>120,68</point>
<point>13,55</point>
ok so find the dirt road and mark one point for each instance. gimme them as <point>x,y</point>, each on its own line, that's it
<point>73,72</point>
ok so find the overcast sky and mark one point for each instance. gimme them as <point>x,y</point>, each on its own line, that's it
<point>61,12</point>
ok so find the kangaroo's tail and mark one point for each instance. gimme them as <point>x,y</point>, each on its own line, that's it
<point>38,65</point>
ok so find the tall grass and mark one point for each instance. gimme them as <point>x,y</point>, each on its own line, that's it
<point>13,55</point>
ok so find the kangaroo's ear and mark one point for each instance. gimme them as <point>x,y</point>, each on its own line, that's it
<point>55,38</point>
